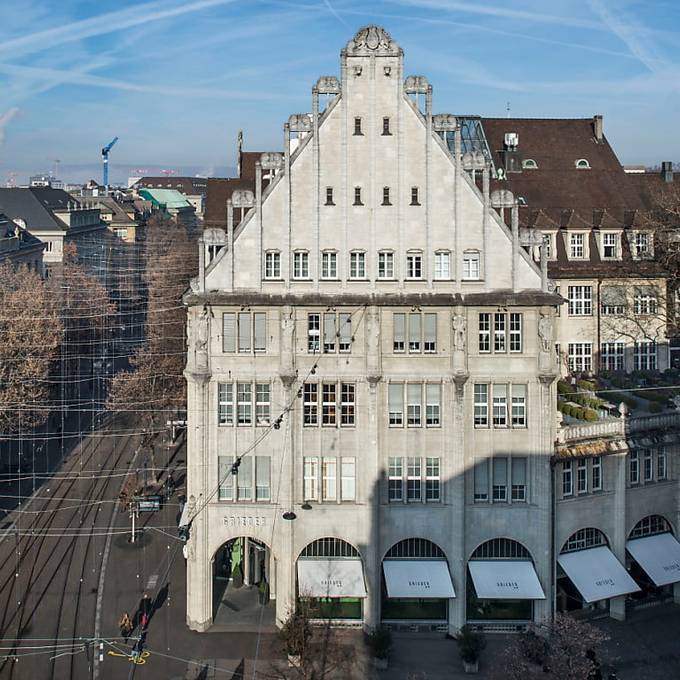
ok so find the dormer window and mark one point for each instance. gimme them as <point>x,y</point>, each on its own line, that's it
<point>642,244</point>
<point>529,164</point>
<point>582,164</point>
<point>610,246</point>
<point>357,126</point>
<point>577,246</point>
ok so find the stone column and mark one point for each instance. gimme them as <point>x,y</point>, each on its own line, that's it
<point>617,605</point>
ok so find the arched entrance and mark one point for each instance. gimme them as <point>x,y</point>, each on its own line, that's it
<point>415,582</point>
<point>244,583</point>
<point>588,573</point>
<point>501,583</point>
<point>330,579</point>
<point>653,559</point>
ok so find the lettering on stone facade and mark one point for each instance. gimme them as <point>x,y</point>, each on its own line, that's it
<point>244,521</point>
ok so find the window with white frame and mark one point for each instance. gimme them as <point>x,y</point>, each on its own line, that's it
<point>647,465</point>
<point>500,404</point>
<point>244,403</point>
<point>612,356</point>
<point>610,246</point>
<point>329,477</point>
<point>580,300</point>
<point>442,265</point>
<point>519,405</point>
<point>310,478</point>
<point>335,398</point>
<point>644,356</point>
<point>395,409</point>
<point>310,404</point>
<point>329,403</point>
<point>644,300</point>
<point>471,266</point>
<point>272,264</point>
<point>515,331</point>
<point>414,266</point>
<point>481,481</point>
<point>661,464</point>
<point>411,394</point>
<point>642,244</point>
<point>419,328</point>
<point>502,323</point>
<point>581,476</point>
<point>262,403</point>
<point>329,265</point>
<point>518,474</point>
<point>357,265</point>
<point>347,403</point>
<point>252,481</point>
<point>499,332</point>
<point>314,333</point>
<point>577,246</point>
<point>433,398</point>
<point>385,264</point>
<point>499,483</point>
<point>414,404</point>
<point>633,467</point>
<point>481,405</point>
<point>300,264</point>
<point>408,476</point>
<point>596,473</point>
<point>244,332</point>
<point>567,478</point>
<point>580,357</point>
<point>336,332</point>
<point>225,403</point>
<point>348,483</point>
<point>484,331</point>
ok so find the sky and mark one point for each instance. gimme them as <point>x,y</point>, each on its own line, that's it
<point>176,79</point>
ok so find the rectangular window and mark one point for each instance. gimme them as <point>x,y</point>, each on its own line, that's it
<point>348,479</point>
<point>432,480</point>
<point>470,266</point>
<point>515,332</point>
<point>225,481</point>
<point>576,246</point>
<point>644,301</point>
<point>596,473</point>
<point>329,336</point>
<point>311,478</point>
<point>580,300</point>
<point>433,397</point>
<point>259,331</point>
<point>225,403</point>
<point>244,479</point>
<point>481,481</point>
<point>396,403</point>
<point>244,332</point>
<point>329,474</point>
<point>641,244</point>
<point>519,405</point>
<point>414,332</point>
<point>262,403</point>
<point>414,393</point>
<point>313,333</point>
<point>582,476</point>
<point>430,333</point>
<point>519,480</point>
<point>442,265</point>
<point>272,264</point>
<point>395,480</point>
<point>329,265</point>
<point>661,465</point>
<point>499,332</point>
<point>610,246</point>
<point>347,403</point>
<point>580,357</point>
<point>228,332</point>
<point>612,356</point>
<point>357,196</point>
<point>357,126</point>
<point>385,265</point>
<point>357,265</point>
<point>414,266</point>
<point>500,405</point>
<point>262,478</point>
<point>634,468</point>
<point>345,330</point>
<point>310,404</point>
<point>413,480</point>
<point>329,196</point>
<point>414,196</point>
<point>328,404</point>
<point>399,332</point>
<point>386,196</point>
<point>484,332</point>
<point>481,405</point>
<point>244,403</point>
<point>647,465</point>
<point>567,479</point>
<point>500,480</point>
<point>386,126</point>
<point>300,265</point>
<point>644,356</point>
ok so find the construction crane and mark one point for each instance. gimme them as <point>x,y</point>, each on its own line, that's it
<point>105,160</point>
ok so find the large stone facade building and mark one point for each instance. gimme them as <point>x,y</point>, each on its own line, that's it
<point>371,376</point>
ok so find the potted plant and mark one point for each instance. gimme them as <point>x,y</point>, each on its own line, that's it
<point>470,644</point>
<point>296,633</point>
<point>380,642</point>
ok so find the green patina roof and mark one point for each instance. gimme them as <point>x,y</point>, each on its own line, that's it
<point>165,198</point>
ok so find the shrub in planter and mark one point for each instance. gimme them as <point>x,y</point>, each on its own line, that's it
<point>380,642</point>
<point>470,644</point>
<point>590,415</point>
<point>296,633</point>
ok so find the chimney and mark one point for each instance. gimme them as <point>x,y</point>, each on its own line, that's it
<point>598,127</point>
<point>667,171</point>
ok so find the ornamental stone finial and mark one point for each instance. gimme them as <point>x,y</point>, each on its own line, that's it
<point>372,40</point>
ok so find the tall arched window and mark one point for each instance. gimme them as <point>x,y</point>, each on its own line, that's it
<point>583,539</point>
<point>329,548</point>
<point>415,547</point>
<point>650,526</point>
<point>501,549</point>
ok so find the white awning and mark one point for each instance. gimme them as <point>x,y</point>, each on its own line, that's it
<point>330,578</point>
<point>418,578</point>
<point>659,556</point>
<point>184,517</point>
<point>505,580</point>
<point>597,574</point>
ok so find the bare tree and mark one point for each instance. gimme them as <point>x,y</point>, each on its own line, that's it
<point>30,335</point>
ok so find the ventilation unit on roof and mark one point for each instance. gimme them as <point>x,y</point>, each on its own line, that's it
<point>511,140</point>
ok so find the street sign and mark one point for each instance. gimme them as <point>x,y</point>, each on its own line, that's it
<point>149,504</point>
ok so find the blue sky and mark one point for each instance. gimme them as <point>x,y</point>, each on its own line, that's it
<point>176,79</point>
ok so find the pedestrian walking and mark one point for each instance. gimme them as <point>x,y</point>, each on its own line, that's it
<point>125,625</point>
<point>145,611</point>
